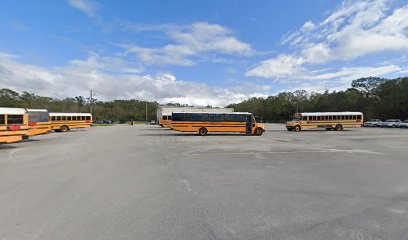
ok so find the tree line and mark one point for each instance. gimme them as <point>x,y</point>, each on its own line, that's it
<point>116,110</point>
<point>375,97</point>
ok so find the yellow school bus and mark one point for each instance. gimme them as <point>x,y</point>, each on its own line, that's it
<point>165,121</point>
<point>63,122</point>
<point>163,114</point>
<point>13,124</point>
<point>328,120</point>
<point>38,122</point>
<point>203,123</point>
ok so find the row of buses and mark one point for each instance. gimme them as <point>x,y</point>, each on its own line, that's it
<point>17,124</point>
<point>245,123</point>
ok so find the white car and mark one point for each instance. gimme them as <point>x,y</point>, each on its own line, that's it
<point>403,124</point>
<point>391,123</point>
<point>373,123</point>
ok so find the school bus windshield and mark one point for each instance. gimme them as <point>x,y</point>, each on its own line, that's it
<point>296,118</point>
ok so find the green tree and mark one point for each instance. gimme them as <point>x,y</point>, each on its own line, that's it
<point>367,85</point>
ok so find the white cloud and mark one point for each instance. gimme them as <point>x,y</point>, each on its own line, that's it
<point>109,79</point>
<point>350,73</point>
<point>353,31</point>
<point>322,80</point>
<point>89,7</point>
<point>282,66</point>
<point>318,53</point>
<point>308,26</point>
<point>188,43</point>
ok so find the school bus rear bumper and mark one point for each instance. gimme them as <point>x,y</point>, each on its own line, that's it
<point>11,139</point>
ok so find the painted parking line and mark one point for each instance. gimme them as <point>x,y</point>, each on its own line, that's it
<point>350,151</point>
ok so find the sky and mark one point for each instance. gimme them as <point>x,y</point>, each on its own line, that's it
<point>198,52</point>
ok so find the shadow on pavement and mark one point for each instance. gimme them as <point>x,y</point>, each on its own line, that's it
<point>5,146</point>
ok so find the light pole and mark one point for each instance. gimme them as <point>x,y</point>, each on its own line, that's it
<point>146,111</point>
<point>90,102</point>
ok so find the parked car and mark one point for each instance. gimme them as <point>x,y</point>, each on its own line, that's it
<point>373,123</point>
<point>103,122</point>
<point>403,124</point>
<point>391,123</point>
<point>152,122</point>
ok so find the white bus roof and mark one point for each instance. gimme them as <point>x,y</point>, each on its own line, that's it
<point>218,112</point>
<point>36,110</point>
<point>330,113</point>
<point>163,110</point>
<point>69,114</point>
<point>4,110</point>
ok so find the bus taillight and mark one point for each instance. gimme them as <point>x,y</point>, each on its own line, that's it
<point>14,127</point>
<point>32,123</point>
<point>88,121</point>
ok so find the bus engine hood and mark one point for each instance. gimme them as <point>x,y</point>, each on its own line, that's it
<point>261,126</point>
<point>292,123</point>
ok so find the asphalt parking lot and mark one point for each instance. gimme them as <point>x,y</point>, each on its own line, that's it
<point>146,182</point>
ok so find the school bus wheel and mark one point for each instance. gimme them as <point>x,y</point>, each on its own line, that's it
<point>202,131</point>
<point>64,128</point>
<point>339,127</point>
<point>297,128</point>
<point>258,132</point>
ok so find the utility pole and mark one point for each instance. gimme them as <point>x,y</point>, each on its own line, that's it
<point>146,111</point>
<point>90,102</point>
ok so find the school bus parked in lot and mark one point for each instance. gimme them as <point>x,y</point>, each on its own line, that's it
<point>38,122</point>
<point>63,122</point>
<point>13,124</point>
<point>203,123</point>
<point>164,112</point>
<point>328,120</point>
<point>165,121</point>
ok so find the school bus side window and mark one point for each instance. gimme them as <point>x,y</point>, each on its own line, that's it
<point>206,117</point>
<point>88,118</point>
<point>64,118</point>
<point>2,119</point>
<point>15,119</point>
<point>212,117</point>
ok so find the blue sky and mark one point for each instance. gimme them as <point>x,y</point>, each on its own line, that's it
<point>198,52</point>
